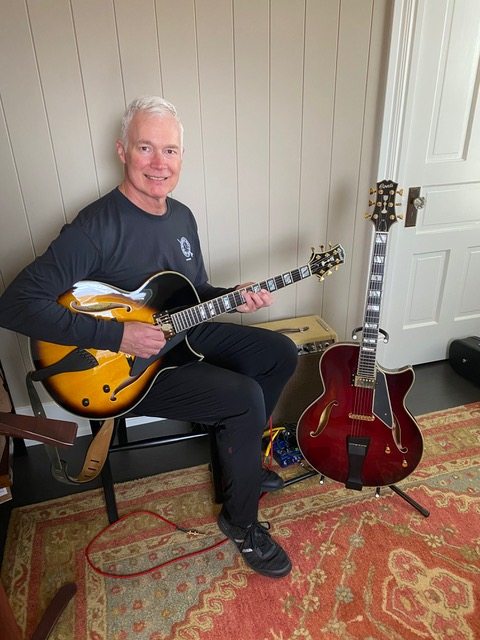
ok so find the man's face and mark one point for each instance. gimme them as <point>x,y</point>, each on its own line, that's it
<point>152,160</point>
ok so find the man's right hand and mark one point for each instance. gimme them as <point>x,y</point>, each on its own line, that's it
<point>142,339</point>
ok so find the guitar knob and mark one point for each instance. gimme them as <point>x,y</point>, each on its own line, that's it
<point>387,449</point>
<point>404,463</point>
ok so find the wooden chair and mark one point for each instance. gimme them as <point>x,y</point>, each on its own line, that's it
<point>10,628</point>
<point>42,430</point>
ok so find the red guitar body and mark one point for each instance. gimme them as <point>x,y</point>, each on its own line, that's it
<point>355,435</point>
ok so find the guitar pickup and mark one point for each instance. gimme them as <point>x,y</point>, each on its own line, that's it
<point>364,383</point>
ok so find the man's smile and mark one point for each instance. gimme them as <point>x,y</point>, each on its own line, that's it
<point>159,178</point>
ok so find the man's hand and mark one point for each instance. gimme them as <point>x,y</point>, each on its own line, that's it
<point>254,301</point>
<point>142,339</point>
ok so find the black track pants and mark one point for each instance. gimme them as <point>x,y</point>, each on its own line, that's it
<point>236,387</point>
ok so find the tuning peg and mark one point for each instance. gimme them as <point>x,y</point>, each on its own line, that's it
<point>371,202</point>
<point>372,190</point>
<point>400,216</point>
<point>367,216</point>
<point>400,192</point>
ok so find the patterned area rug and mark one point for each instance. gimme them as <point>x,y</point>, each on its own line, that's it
<point>365,567</point>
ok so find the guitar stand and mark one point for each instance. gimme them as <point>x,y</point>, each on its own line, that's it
<point>407,498</point>
<point>393,487</point>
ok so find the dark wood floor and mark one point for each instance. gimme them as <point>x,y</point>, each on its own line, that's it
<point>436,387</point>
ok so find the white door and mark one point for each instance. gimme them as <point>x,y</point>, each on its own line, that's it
<point>431,140</point>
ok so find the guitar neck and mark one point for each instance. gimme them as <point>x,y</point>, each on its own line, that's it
<point>371,324</point>
<point>188,318</point>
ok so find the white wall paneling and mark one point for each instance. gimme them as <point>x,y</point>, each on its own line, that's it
<point>281,102</point>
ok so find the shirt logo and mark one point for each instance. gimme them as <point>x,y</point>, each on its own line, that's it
<point>185,247</point>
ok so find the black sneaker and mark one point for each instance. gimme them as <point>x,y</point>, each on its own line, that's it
<point>260,552</point>
<point>270,480</point>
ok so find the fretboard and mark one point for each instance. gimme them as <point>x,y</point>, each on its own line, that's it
<point>368,347</point>
<point>204,311</point>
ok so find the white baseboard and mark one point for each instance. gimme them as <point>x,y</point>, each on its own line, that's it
<point>52,410</point>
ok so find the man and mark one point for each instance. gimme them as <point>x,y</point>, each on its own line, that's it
<point>124,238</point>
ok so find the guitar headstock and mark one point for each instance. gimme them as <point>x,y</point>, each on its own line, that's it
<point>321,264</point>
<point>384,214</point>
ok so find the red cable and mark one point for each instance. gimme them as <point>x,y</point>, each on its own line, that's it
<point>136,574</point>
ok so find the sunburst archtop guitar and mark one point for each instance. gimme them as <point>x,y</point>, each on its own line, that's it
<point>100,384</point>
<point>359,431</point>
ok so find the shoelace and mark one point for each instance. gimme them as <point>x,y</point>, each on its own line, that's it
<point>257,536</point>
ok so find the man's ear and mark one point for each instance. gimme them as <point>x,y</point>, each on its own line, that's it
<point>120,150</point>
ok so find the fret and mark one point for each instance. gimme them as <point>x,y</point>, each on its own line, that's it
<point>185,319</point>
<point>216,306</point>
<point>181,321</point>
<point>190,317</point>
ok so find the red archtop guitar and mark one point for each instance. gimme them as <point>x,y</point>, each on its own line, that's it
<point>359,431</point>
<point>99,384</point>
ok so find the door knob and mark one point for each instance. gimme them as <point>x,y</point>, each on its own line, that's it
<point>414,202</point>
<point>419,202</point>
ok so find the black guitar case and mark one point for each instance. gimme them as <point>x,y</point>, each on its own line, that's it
<point>464,356</point>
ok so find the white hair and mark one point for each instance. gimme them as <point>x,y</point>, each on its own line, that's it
<point>149,104</point>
